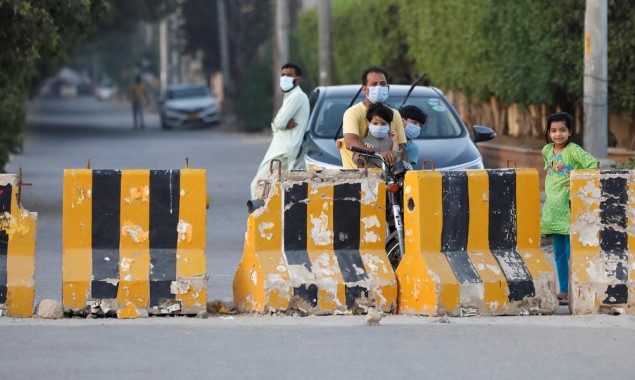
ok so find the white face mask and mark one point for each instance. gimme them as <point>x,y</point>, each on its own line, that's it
<point>379,131</point>
<point>286,83</point>
<point>377,94</point>
<point>412,131</point>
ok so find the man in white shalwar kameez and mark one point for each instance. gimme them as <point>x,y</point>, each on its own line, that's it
<point>288,126</point>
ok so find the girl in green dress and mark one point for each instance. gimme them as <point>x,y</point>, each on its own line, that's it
<point>561,156</point>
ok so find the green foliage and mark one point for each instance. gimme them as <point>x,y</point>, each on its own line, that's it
<point>32,30</point>
<point>525,51</point>
<point>630,164</point>
<point>621,65</point>
<point>256,102</point>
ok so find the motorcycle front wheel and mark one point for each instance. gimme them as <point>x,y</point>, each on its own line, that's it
<point>392,249</point>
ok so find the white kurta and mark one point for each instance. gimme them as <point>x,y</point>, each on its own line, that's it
<point>285,144</point>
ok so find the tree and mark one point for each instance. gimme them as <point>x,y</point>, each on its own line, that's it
<point>32,30</point>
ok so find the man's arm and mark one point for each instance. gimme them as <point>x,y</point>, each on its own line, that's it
<point>284,117</point>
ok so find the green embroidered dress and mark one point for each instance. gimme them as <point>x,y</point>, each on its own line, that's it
<point>555,212</point>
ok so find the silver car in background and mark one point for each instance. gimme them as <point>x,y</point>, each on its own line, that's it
<point>188,105</point>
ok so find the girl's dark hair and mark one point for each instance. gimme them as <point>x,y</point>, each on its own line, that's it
<point>560,116</point>
<point>378,109</point>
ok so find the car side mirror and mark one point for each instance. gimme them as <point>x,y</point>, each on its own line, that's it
<point>482,133</point>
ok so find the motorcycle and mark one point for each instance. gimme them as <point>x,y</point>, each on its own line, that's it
<point>394,176</point>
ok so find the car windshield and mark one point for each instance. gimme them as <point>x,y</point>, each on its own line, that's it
<point>188,92</point>
<point>441,122</point>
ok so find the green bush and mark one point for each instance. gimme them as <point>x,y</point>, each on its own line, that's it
<point>256,102</point>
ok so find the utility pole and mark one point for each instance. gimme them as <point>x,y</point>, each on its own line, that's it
<point>281,47</point>
<point>163,53</point>
<point>325,49</point>
<point>224,46</point>
<point>596,79</point>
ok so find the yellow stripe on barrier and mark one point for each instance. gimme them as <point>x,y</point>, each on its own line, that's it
<point>372,248</point>
<point>427,284</point>
<point>19,225</point>
<point>262,281</point>
<point>528,219</point>
<point>134,244</point>
<point>495,296</point>
<point>584,240</point>
<point>76,238</point>
<point>191,263</point>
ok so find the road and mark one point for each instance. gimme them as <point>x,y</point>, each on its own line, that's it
<point>64,134</point>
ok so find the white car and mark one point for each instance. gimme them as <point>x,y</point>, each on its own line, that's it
<point>188,105</point>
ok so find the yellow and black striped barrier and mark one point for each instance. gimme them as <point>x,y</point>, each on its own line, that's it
<point>317,245</point>
<point>602,264</point>
<point>134,242</point>
<point>473,245</point>
<point>17,251</point>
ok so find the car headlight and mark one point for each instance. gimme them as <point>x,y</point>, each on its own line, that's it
<point>476,164</point>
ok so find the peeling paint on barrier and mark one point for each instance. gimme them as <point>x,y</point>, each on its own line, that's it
<point>17,251</point>
<point>130,244</point>
<point>473,244</point>
<point>602,241</point>
<point>327,229</point>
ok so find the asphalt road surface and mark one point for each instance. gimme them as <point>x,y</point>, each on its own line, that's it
<point>63,134</point>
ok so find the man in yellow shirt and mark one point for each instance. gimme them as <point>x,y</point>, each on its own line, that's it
<point>355,125</point>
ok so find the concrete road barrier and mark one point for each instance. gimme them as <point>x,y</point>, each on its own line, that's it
<point>317,246</point>
<point>602,265</point>
<point>17,251</point>
<point>473,245</point>
<point>134,242</point>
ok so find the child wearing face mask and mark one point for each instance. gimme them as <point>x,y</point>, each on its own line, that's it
<point>379,137</point>
<point>413,119</point>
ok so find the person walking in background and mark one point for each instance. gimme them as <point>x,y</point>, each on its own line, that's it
<point>288,126</point>
<point>138,96</point>
<point>561,157</point>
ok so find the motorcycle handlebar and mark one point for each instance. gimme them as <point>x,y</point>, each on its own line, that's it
<point>367,152</point>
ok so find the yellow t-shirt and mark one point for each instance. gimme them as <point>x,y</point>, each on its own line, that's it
<point>355,122</point>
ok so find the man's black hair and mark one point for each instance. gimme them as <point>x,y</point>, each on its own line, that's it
<point>373,69</point>
<point>379,109</point>
<point>289,65</point>
<point>414,113</point>
<point>560,116</point>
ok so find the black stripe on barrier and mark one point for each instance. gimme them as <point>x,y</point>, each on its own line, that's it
<point>613,242</point>
<point>456,221</point>
<point>295,236</point>
<point>6,191</point>
<point>106,208</point>
<point>295,225</point>
<point>502,234</point>
<point>346,226</point>
<point>165,194</point>
<point>308,292</point>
